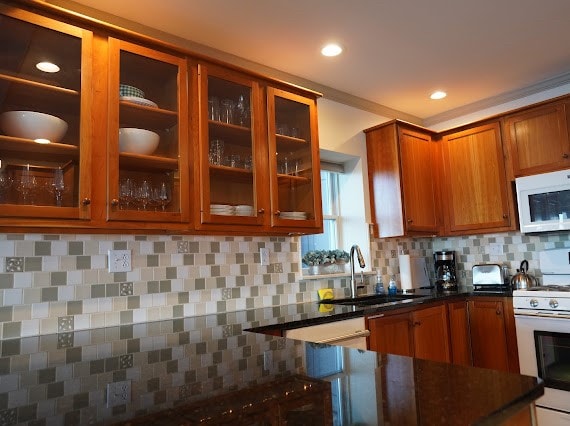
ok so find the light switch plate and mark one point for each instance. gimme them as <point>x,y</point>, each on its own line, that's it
<point>120,261</point>
<point>264,256</point>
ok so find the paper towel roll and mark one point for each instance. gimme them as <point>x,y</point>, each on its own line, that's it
<point>405,272</point>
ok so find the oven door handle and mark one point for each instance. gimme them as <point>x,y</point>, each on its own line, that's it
<point>542,315</point>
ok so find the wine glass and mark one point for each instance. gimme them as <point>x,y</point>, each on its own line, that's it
<point>143,194</point>
<point>5,184</point>
<point>58,186</point>
<point>165,195</point>
<point>27,185</point>
<point>125,193</point>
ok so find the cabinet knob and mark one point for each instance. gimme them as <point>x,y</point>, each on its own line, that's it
<point>565,155</point>
<point>114,202</point>
<point>505,216</point>
<point>86,201</point>
<point>498,311</point>
<point>261,211</point>
<point>410,220</point>
<point>417,323</point>
<point>278,212</point>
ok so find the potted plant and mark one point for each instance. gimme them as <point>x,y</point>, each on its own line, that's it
<point>325,261</point>
<point>314,259</point>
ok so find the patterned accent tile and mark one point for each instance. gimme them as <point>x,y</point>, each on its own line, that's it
<point>126,361</point>
<point>65,323</point>
<point>183,246</point>
<point>226,293</point>
<point>126,289</point>
<point>65,340</point>
<point>8,417</point>
<point>14,264</point>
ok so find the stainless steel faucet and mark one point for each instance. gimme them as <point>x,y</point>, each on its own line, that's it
<point>356,249</point>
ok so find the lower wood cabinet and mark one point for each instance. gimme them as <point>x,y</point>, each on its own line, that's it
<point>474,331</point>
<point>421,333</point>
<point>459,332</point>
<point>493,334</point>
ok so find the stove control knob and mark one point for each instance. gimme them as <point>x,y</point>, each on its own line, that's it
<point>533,303</point>
<point>553,303</point>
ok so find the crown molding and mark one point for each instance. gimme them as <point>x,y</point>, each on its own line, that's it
<point>494,101</point>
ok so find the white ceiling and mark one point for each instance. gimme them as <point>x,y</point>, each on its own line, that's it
<point>396,51</point>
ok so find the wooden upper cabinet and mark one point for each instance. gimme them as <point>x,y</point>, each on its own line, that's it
<point>232,150</point>
<point>537,139</point>
<point>147,99</point>
<point>294,164</point>
<point>44,175</point>
<point>402,180</point>
<point>474,188</point>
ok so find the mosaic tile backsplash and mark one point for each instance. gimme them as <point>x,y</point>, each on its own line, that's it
<point>60,283</point>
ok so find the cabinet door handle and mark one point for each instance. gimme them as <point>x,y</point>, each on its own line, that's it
<point>565,155</point>
<point>114,202</point>
<point>86,201</point>
<point>498,311</point>
<point>505,216</point>
<point>417,323</point>
<point>277,213</point>
<point>410,220</point>
<point>261,211</point>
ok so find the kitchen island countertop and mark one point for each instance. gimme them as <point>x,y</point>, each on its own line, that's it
<point>62,378</point>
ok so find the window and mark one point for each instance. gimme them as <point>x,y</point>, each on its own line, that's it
<point>330,238</point>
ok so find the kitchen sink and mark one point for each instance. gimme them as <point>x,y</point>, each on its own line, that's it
<point>375,299</point>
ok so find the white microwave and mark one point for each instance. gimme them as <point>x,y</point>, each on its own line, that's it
<point>544,201</point>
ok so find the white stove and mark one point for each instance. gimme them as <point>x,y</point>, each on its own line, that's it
<point>542,318</point>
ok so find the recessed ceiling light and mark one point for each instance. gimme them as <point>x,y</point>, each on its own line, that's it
<point>438,95</point>
<point>47,67</point>
<point>331,49</point>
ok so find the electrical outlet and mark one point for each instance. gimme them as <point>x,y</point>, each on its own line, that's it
<point>267,360</point>
<point>264,256</point>
<point>120,261</point>
<point>118,393</point>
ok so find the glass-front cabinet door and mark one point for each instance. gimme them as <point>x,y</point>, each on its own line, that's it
<point>45,103</point>
<point>232,149</point>
<point>294,165</point>
<point>148,135</point>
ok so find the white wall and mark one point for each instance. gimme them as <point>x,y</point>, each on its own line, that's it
<point>341,139</point>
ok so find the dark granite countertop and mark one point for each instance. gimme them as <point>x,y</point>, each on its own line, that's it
<point>210,360</point>
<point>313,313</point>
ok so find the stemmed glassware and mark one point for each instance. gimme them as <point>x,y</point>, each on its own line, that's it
<point>58,186</point>
<point>5,184</point>
<point>164,195</point>
<point>27,185</point>
<point>126,194</point>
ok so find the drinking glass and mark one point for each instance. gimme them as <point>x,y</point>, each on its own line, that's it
<point>213,108</point>
<point>125,193</point>
<point>27,185</point>
<point>5,184</point>
<point>58,186</point>
<point>143,194</point>
<point>227,111</point>
<point>165,195</point>
<point>216,154</point>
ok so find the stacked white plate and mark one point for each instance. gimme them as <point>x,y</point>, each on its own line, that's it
<point>138,101</point>
<point>222,209</point>
<point>294,215</point>
<point>244,210</point>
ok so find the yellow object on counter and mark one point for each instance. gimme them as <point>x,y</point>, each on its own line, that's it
<point>325,307</point>
<point>325,293</point>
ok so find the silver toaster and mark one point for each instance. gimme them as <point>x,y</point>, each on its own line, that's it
<point>488,275</point>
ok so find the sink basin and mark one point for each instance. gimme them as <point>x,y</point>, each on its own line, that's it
<point>375,299</point>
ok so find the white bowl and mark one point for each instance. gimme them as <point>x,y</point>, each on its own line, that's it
<point>137,141</point>
<point>33,125</point>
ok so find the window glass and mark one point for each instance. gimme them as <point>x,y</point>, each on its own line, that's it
<point>329,239</point>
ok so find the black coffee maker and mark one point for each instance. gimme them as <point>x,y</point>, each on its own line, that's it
<point>445,271</point>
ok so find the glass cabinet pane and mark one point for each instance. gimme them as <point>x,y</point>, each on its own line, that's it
<point>294,157</point>
<point>148,134</point>
<point>230,193</point>
<point>41,72</point>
